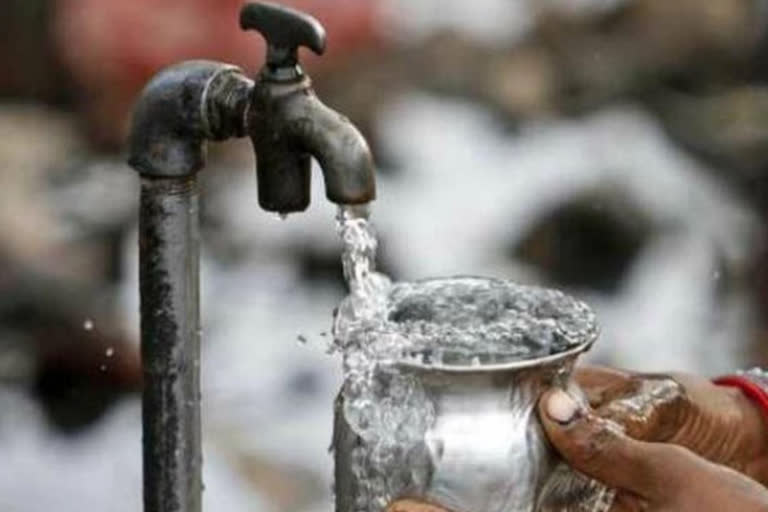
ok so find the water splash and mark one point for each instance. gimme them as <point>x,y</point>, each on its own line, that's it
<point>465,321</point>
<point>378,401</point>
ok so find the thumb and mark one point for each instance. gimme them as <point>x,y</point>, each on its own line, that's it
<point>597,447</point>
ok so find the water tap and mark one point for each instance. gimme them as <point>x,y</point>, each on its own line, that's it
<point>195,101</point>
<point>180,109</point>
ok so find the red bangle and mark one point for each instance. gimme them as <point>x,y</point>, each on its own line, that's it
<point>750,388</point>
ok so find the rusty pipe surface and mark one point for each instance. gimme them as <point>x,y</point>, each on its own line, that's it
<point>169,255</point>
<point>179,109</point>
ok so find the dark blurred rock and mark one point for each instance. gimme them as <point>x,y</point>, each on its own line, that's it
<point>570,63</point>
<point>643,42</point>
<point>30,66</point>
<point>588,242</point>
<point>728,128</point>
<point>61,233</point>
<point>78,360</point>
<point>317,267</point>
<point>63,210</point>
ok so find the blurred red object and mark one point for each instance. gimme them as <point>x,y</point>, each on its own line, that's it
<point>113,47</point>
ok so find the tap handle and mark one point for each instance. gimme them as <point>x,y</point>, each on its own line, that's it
<point>284,30</point>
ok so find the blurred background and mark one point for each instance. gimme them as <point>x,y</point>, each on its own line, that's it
<point>617,149</point>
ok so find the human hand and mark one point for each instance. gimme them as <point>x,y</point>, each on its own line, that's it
<point>715,422</point>
<point>647,475</point>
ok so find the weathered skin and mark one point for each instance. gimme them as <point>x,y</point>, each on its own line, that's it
<point>715,422</point>
<point>686,445</point>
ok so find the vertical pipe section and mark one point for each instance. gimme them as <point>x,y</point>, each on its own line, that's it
<point>169,255</point>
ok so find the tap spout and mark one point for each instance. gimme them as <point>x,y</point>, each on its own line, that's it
<point>339,148</point>
<point>288,124</point>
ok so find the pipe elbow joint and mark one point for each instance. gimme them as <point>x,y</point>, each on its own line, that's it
<point>179,109</point>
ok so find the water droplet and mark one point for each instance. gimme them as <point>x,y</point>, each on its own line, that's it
<point>281,215</point>
<point>109,352</point>
<point>88,324</point>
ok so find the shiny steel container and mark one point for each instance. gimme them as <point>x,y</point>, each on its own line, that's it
<point>485,450</point>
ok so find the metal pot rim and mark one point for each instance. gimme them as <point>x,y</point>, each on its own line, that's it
<point>501,366</point>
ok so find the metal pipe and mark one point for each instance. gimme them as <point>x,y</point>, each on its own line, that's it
<point>169,255</point>
<point>178,111</point>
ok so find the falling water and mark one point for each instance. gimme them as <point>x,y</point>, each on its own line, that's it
<point>366,286</point>
<point>378,401</point>
<point>382,327</point>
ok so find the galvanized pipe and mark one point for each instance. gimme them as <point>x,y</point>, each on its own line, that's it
<point>169,255</point>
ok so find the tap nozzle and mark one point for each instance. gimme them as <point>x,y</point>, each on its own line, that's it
<point>288,124</point>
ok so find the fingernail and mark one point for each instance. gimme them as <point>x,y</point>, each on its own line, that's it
<point>561,407</point>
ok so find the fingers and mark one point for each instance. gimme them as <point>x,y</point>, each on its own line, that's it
<point>602,384</point>
<point>597,447</point>
<point>652,412</point>
<point>648,407</point>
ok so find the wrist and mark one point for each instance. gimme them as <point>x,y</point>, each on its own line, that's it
<point>751,398</point>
